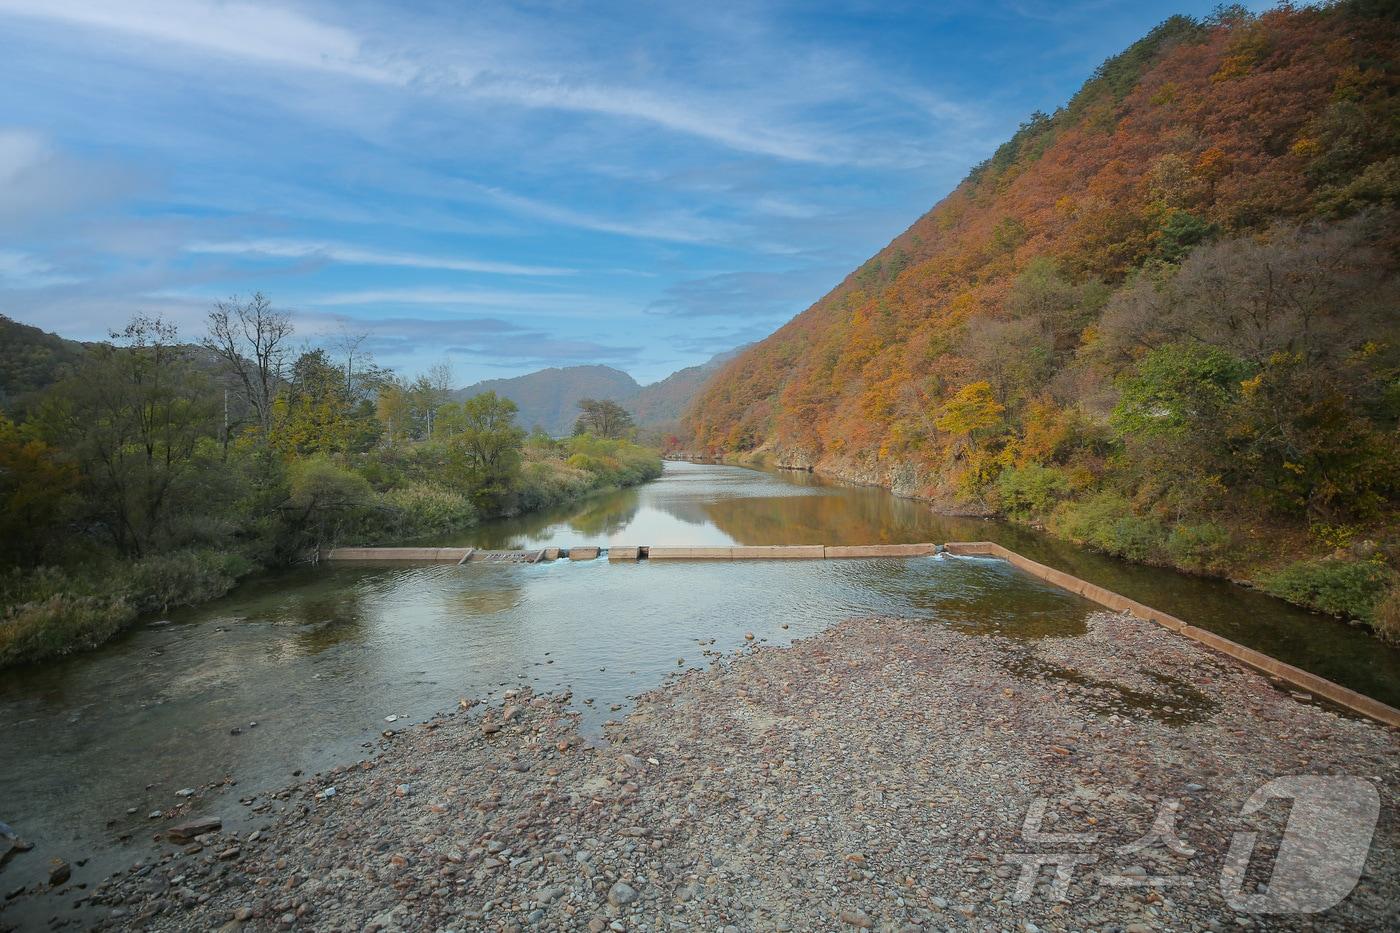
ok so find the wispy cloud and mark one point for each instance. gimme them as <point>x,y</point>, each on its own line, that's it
<point>269,35</point>
<point>705,171</point>
<point>363,256</point>
<point>484,339</point>
<point>746,294</point>
<point>727,126</point>
<point>684,227</point>
<point>547,303</point>
<point>21,270</point>
<point>250,31</point>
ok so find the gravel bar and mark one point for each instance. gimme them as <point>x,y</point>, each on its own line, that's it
<point>886,774</point>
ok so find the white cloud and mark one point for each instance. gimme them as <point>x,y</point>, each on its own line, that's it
<point>241,30</point>
<point>24,270</point>
<point>39,184</point>
<point>724,125</point>
<point>355,255</point>
<point>20,150</point>
<point>500,70</point>
<point>549,304</point>
<point>676,228</point>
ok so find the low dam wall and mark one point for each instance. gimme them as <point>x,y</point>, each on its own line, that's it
<point>1320,686</point>
<point>464,555</point>
<point>1273,667</point>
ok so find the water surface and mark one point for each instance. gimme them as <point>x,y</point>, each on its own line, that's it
<point>318,657</point>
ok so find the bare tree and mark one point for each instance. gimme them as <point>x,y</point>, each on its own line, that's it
<point>429,391</point>
<point>364,378</point>
<point>252,339</point>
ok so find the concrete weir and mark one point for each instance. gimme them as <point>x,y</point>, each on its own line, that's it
<point>1319,686</point>
<point>1273,667</point>
<point>465,555</point>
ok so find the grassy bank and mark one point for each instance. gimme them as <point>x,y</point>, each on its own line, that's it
<point>58,609</point>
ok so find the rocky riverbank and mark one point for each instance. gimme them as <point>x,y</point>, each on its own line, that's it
<point>885,775</point>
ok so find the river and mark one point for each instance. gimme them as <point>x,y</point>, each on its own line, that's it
<point>320,657</point>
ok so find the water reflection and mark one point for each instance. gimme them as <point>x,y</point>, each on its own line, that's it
<point>717,505</point>
<point>318,657</point>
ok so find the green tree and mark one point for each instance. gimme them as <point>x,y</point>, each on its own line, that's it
<point>485,448</point>
<point>132,416</point>
<point>1179,389</point>
<point>314,413</point>
<point>604,418</point>
<point>426,394</point>
<point>394,409</point>
<point>34,481</point>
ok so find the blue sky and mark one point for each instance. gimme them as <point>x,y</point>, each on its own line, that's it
<point>501,186</point>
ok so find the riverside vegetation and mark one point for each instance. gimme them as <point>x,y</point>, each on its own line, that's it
<point>145,473</point>
<point>1160,321</point>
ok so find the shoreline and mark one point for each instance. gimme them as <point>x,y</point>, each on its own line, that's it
<point>118,619</point>
<point>874,776</point>
<point>760,460</point>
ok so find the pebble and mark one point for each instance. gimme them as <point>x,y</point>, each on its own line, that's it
<point>621,894</point>
<point>59,872</point>
<point>873,776</point>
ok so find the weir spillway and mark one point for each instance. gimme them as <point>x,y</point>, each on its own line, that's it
<point>1272,667</point>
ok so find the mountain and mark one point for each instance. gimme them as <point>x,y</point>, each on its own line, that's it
<point>30,360</point>
<point>1161,319</point>
<point>549,397</point>
<point>662,404</point>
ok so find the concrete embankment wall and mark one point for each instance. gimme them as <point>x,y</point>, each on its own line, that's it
<point>1300,678</point>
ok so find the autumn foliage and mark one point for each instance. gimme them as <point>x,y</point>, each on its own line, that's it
<point>1178,291</point>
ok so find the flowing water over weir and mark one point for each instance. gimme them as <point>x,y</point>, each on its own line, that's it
<point>301,669</point>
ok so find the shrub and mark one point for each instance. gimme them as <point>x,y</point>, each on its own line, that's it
<point>318,483</point>
<point>181,578</point>
<point>426,508</point>
<point>1386,618</point>
<point>550,482</point>
<point>612,462</point>
<point>50,612</point>
<point>326,503</point>
<point>60,625</point>
<point>1031,489</point>
<point>1338,587</point>
<point>1200,547</point>
<point>1107,523</point>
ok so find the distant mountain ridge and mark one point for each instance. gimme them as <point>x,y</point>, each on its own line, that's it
<point>662,404</point>
<point>549,397</point>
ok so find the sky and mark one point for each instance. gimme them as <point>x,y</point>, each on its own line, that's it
<point>501,186</point>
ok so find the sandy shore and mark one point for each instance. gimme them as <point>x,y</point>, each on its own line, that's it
<point>887,774</point>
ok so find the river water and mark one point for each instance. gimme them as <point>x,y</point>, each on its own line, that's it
<point>319,657</point>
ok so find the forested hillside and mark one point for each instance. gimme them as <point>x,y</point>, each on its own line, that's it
<point>1162,320</point>
<point>30,360</point>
